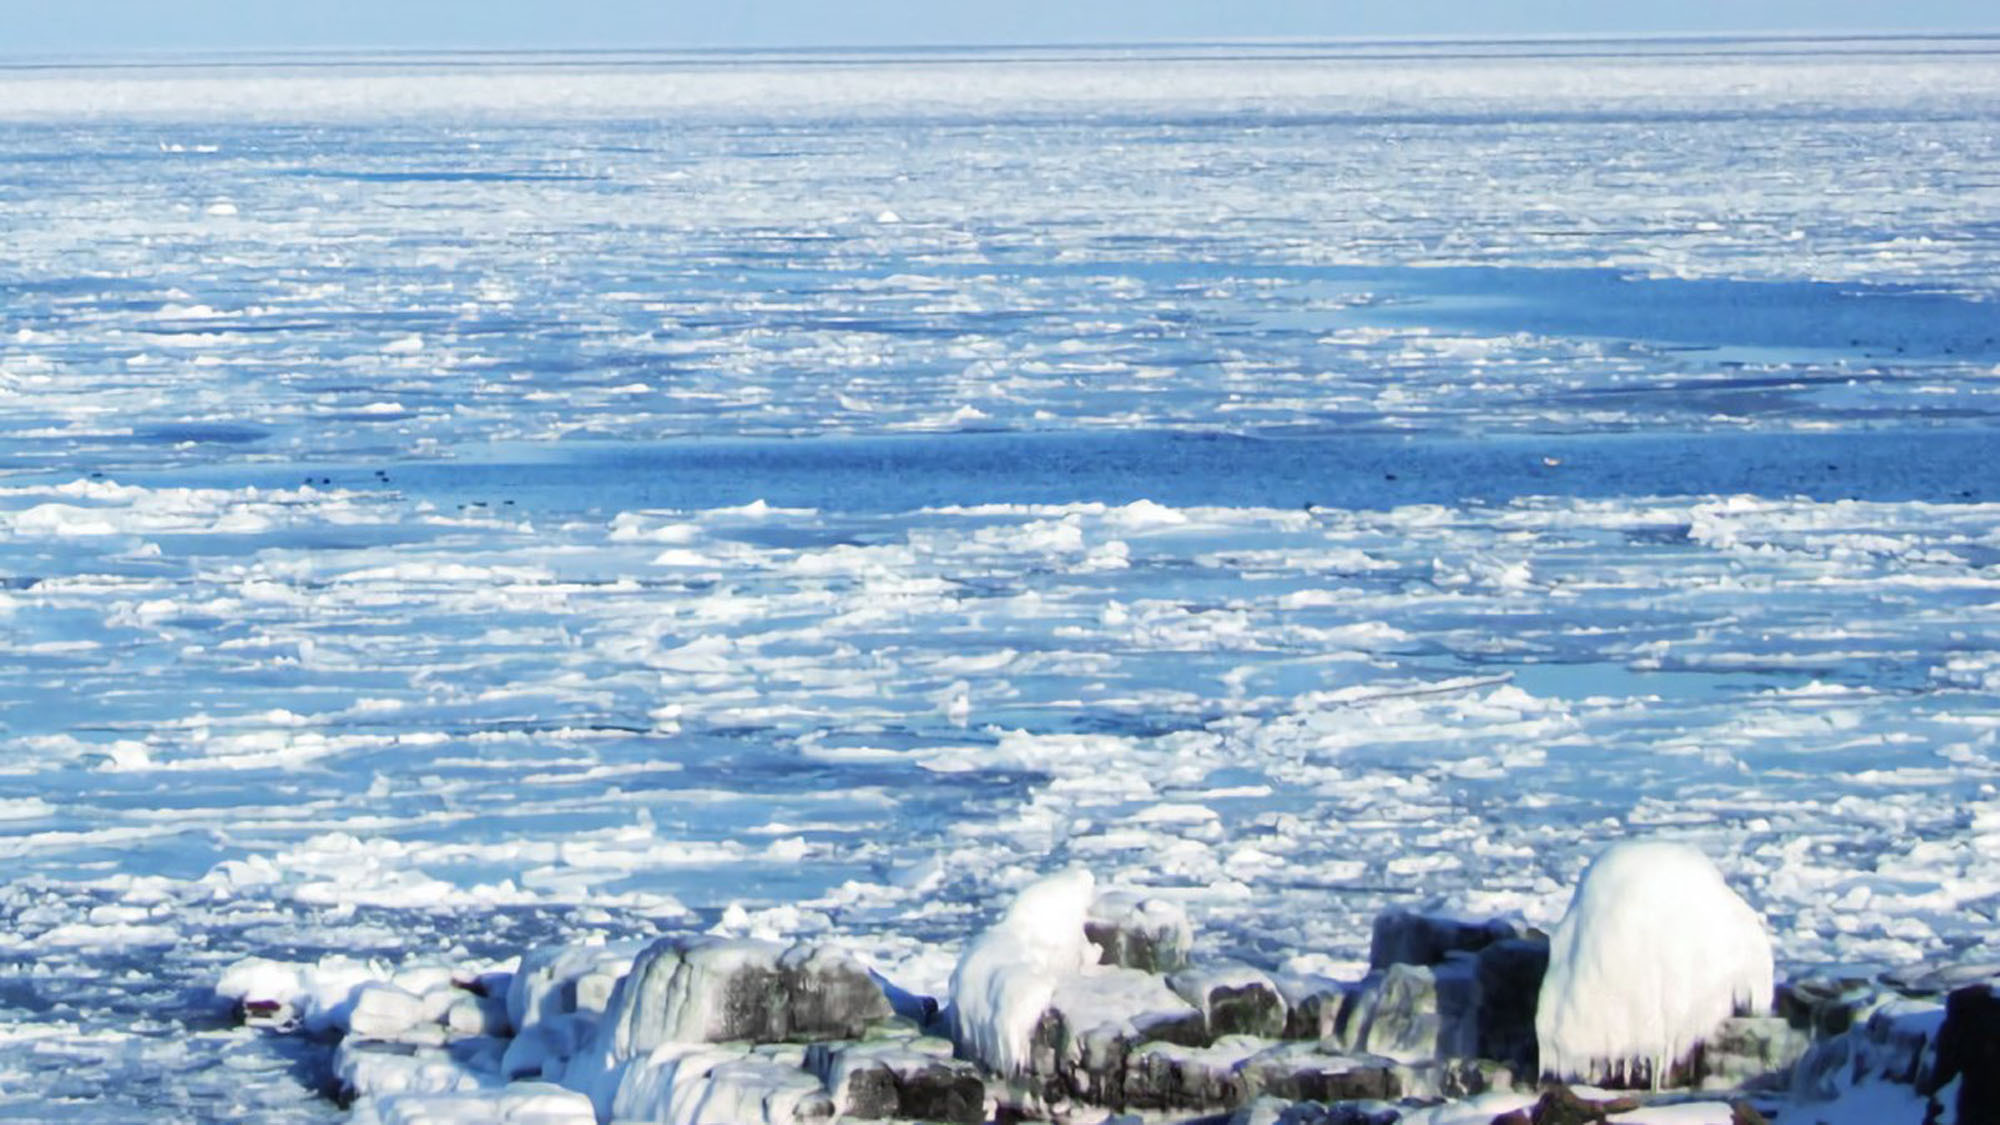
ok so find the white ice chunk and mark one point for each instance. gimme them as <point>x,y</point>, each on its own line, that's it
<point>1654,952</point>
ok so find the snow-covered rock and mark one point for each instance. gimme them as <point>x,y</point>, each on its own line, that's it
<point>1653,954</point>
<point>1233,1000</point>
<point>1095,1019</point>
<point>318,997</point>
<point>559,980</point>
<point>1305,1072</point>
<point>1138,932</point>
<point>381,1010</point>
<point>910,1079</point>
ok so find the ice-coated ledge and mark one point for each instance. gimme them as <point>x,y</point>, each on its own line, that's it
<point>1042,1024</point>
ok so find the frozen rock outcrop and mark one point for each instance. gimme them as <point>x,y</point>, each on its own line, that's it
<point>913,1079</point>
<point>719,990</point>
<point>1653,954</point>
<point>1233,1000</point>
<point>1137,932</point>
<point>1007,976</point>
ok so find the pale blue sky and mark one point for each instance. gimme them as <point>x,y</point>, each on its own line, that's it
<point>68,26</point>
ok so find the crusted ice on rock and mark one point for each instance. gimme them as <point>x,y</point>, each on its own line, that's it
<point>1007,976</point>
<point>714,990</point>
<point>1138,932</point>
<point>1653,954</point>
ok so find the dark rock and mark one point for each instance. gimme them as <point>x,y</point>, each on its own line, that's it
<point>1453,1078</point>
<point>1415,1013</point>
<point>1828,1002</point>
<point>871,1094</point>
<point>1894,1044</point>
<point>947,1091</point>
<point>905,1079</point>
<point>1560,1105</point>
<point>1233,1000</point>
<point>1968,1051</point>
<point>1752,1049</point>
<point>1161,1076</point>
<point>1312,1006</point>
<point>1134,932</point>
<point>1403,937</point>
<point>1303,1073</point>
<point>1509,974</point>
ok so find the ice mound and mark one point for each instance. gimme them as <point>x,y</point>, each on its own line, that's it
<point>1654,952</point>
<point>1008,975</point>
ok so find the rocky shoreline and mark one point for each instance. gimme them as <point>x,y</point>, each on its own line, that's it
<point>1442,1030</point>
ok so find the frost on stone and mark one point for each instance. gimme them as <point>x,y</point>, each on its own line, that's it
<point>1653,955</point>
<point>1137,932</point>
<point>1007,976</point>
<point>716,991</point>
<point>1233,1000</point>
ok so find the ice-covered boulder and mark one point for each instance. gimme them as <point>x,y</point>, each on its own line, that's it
<point>1653,954</point>
<point>1137,932</point>
<point>1233,1000</point>
<point>1313,1005</point>
<point>1007,976</point>
<point>914,1079</point>
<point>1305,1072</point>
<point>1096,1017</point>
<point>718,990</point>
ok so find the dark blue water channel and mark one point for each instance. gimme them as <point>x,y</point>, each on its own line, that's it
<point>1343,470</point>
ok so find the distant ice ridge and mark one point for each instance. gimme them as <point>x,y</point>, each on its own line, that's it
<point>1655,952</point>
